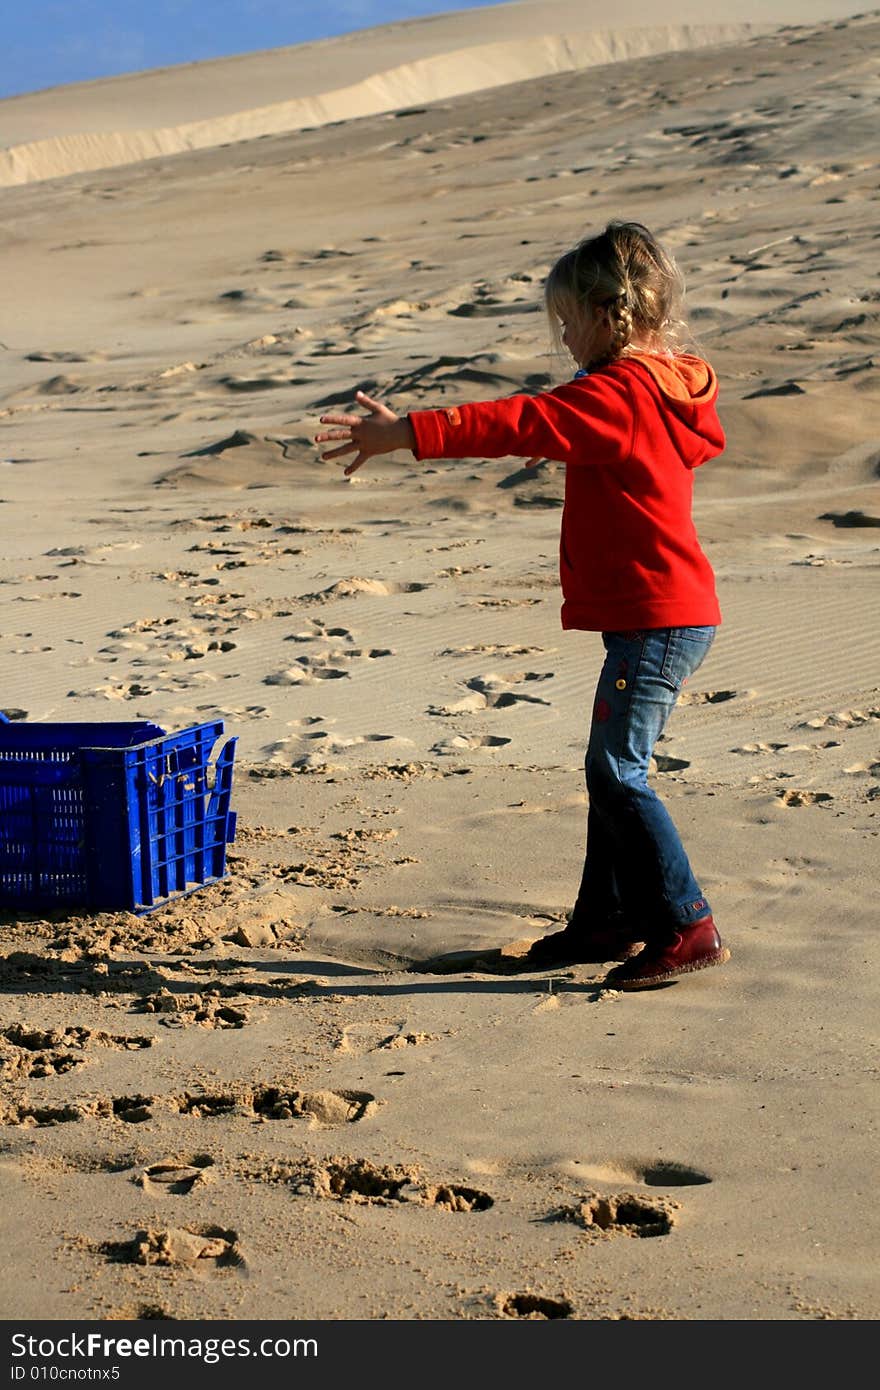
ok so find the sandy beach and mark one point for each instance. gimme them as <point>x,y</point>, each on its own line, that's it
<point>326,1087</point>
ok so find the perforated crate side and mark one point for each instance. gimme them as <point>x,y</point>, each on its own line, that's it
<point>43,810</point>
<point>155,828</point>
<point>42,815</point>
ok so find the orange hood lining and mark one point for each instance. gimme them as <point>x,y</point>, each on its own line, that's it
<point>680,376</point>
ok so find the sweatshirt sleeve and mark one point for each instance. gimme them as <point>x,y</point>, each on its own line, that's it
<point>584,422</point>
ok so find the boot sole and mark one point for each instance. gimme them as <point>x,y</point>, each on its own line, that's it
<point>645,981</point>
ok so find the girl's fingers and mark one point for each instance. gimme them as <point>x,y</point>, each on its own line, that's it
<point>346,424</point>
<point>337,419</point>
<point>326,435</point>
<point>355,465</point>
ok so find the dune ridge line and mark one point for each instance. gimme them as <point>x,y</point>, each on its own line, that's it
<point>455,73</point>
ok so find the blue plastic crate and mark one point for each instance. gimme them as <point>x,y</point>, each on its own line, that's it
<point>111,816</point>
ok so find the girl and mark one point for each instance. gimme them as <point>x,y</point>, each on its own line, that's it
<point>631,427</point>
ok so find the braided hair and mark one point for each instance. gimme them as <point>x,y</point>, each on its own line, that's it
<point>626,271</point>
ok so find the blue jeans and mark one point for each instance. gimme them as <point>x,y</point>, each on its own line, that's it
<point>635,863</point>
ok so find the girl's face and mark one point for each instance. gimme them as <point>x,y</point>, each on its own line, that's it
<point>587,335</point>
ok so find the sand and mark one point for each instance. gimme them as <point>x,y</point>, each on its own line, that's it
<point>326,1087</point>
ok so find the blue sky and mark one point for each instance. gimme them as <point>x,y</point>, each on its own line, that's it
<point>49,42</point>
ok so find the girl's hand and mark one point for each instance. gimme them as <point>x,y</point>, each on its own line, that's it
<point>380,431</point>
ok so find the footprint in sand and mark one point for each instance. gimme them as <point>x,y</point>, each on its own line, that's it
<point>47,594</point>
<point>197,1248</point>
<point>36,1052</point>
<point>77,554</point>
<point>357,587</point>
<point>320,1108</point>
<point>117,649</point>
<point>152,626</point>
<point>194,651</point>
<point>663,763</point>
<point>502,602</point>
<point>708,697</point>
<point>788,874</point>
<point>130,1109</point>
<point>63,356</point>
<point>359,1180</point>
<point>394,312</point>
<point>469,704</point>
<point>494,692</point>
<point>491,649</point>
<point>532,1306</point>
<point>850,519</point>
<point>398,1040</point>
<point>760,748</point>
<point>213,711</point>
<point>266,382</point>
<point>205,1105</point>
<point>181,1010</point>
<point>30,1116</point>
<point>491,299</point>
<point>135,691</point>
<point>460,743</point>
<point>497,689</point>
<point>359,1038</point>
<point>329,665</point>
<point>320,632</point>
<point>538,500</point>
<point>320,745</point>
<point>140,1312</point>
<point>60,386</point>
<point>307,670</point>
<point>624,1213</point>
<point>818,561</point>
<point>161,681</point>
<point>160,655</point>
<point>174,1176</point>
<point>842,719</point>
<point>803,798</point>
<point>16,1062</point>
<point>236,298</point>
<point>460,571</point>
<point>216,549</point>
<point>658,1172</point>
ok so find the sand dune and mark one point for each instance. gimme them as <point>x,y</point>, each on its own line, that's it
<point>476,68</point>
<point>103,124</point>
<point>326,1087</point>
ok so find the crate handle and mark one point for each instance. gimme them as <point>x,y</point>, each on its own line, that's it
<point>222,787</point>
<point>172,768</point>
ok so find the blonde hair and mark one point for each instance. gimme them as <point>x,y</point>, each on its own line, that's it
<point>627,271</point>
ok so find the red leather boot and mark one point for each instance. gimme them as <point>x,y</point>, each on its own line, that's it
<point>678,953</point>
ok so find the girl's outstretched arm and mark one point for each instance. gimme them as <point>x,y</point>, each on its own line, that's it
<point>380,431</point>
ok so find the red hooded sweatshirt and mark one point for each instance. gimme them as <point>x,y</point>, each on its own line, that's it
<point>630,435</point>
